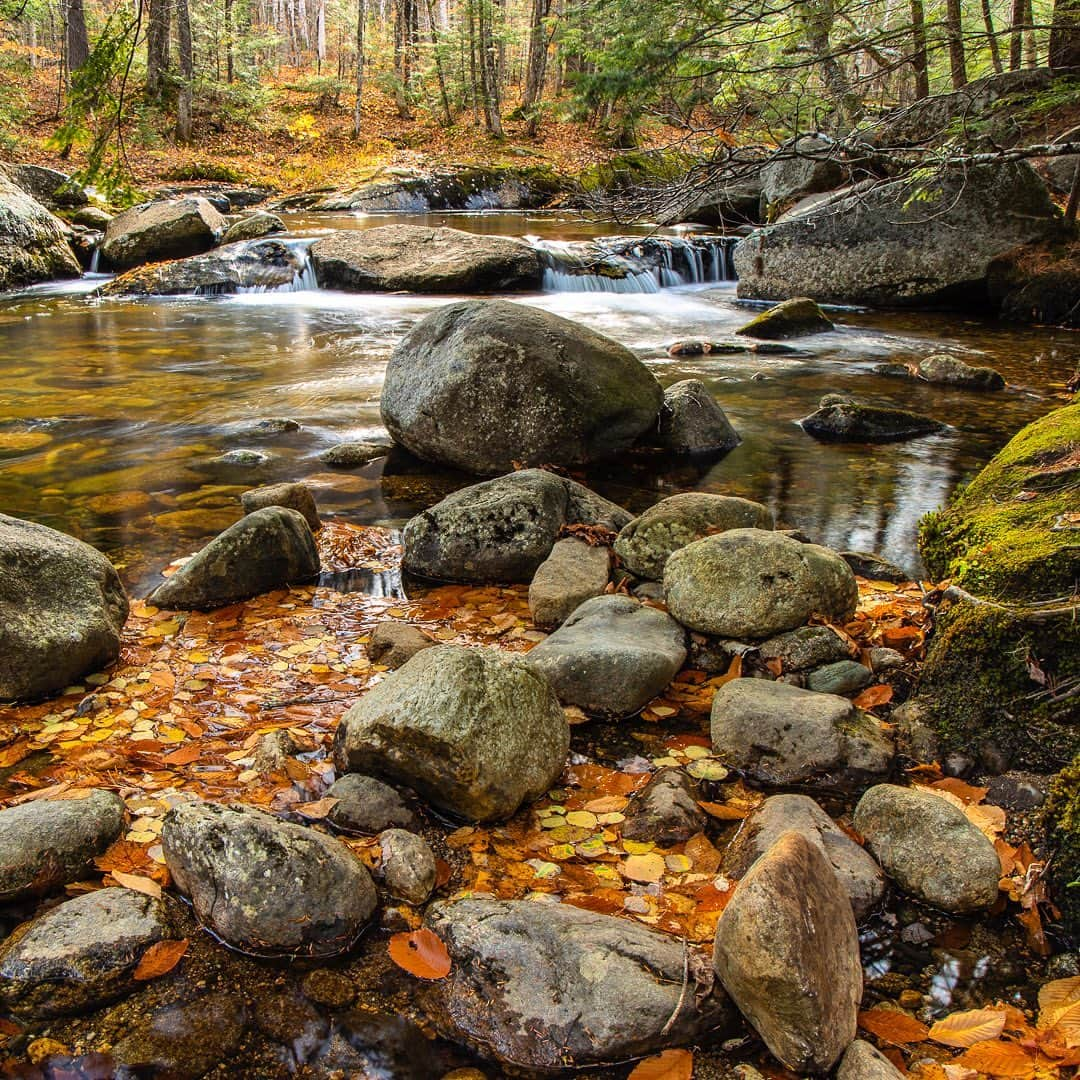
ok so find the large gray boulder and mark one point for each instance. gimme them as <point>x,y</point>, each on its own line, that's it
<point>51,187</point>
<point>857,872</point>
<point>751,583</point>
<point>929,848</point>
<point>161,230</point>
<point>81,954</point>
<point>484,385</point>
<point>419,259</point>
<point>780,734</point>
<point>264,885</point>
<point>645,544</point>
<point>612,656</point>
<point>801,167</point>
<point>62,608</point>
<point>475,732</point>
<point>268,549</point>
<point>550,986</point>
<point>33,243</point>
<point>573,573</point>
<point>46,844</point>
<point>787,951</point>
<point>907,242</point>
<point>501,530</point>
<point>691,421</point>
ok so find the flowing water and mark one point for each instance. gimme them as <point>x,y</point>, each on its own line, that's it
<point>115,414</point>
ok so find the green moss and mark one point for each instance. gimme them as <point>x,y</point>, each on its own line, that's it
<point>1062,820</point>
<point>1002,536</point>
<point>204,170</point>
<point>633,168</point>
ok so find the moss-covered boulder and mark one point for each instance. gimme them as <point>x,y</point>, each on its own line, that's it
<point>1012,533</point>
<point>33,246</point>
<point>792,318</point>
<point>1062,819</point>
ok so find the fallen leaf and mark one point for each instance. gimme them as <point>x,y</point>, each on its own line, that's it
<point>647,868</point>
<point>670,1065</point>
<point>160,959</point>
<point>873,696</point>
<point>964,1029</point>
<point>184,756</point>
<point>317,809</point>
<point>723,812</point>
<point>138,883</point>
<point>420,953</point>
<point>1059,1009</point>
<point>998,1058</point>
<point>893,1026</point>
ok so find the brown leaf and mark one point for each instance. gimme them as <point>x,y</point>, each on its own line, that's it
<point>138,883</point>
<point>670,1065</point>
<point>998,1058</point>
<point>723,812</point>
<point>1059,1008</point>
<point>873,696</point>
<point>318,809</point>
<point>964,1029</point>
<point>160,959</point>
<point>184,756</point>
<point>893,1026</point>
<point>420,953</point>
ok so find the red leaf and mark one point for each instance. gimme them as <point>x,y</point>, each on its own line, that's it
<point>420,953</point>
<point>160,959</point>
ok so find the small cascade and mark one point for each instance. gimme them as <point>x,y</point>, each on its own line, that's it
<point>299,260</point>
<point>635,264</point>
<point>95,261</point>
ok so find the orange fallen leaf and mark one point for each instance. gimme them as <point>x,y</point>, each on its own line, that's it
<point>723,812</point>
<point>160,959</point>
<point>317,809</point>
<point>670,1065</point>
<point>734,671</point>
<point>964,1029</point>
<point>1059,1008</point>
<point>647,868</point>
<point>138,883</point>
<point>893,1026</point>
<point>184,756</point>
<point>873,696</point>
<point>998,1058</point>
<point>420,953</point>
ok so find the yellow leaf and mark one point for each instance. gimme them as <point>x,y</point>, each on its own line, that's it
<point>138,883</point>
<point>637,847</point>
<point>964,1029</point>
<point>646,868</point>
<point>1059,1009</point>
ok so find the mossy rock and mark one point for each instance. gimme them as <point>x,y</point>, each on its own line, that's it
<point>628,170</point>
<point>988,683</point>
<point>1062,820</point>
<point>1011,534</point>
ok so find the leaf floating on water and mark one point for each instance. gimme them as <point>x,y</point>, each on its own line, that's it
<point>1059,1009</point>
<point>964,1029</point>
<point>420,953</point>
<point>160,959</point>
<point>998,1058</point>
<point>670,1065</point>
<point>893,1026</point>
<point>647,868</point>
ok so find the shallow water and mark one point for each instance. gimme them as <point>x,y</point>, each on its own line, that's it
<point>112,412</point>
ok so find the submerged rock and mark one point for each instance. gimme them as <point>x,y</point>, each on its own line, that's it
<point>249,875</point>
<point>691,421</point>
<point>485,384</point>
<point>81,954</point>
<point>645,544</point>
<point>419,259</point>
<point>161,230</point>
<point>792,318</point>
<point>952,371</point>
<point>475,732</point>
<point>33,245</point>
<point>296,497</point>
<point>395,644</point>
<point>867,423</point>
<point>550,986</point>
<point>62,608</point>
<point>612,656</point>
<point>665,811</point>
<point>781,734</point>
<point>573,573</point>
<point>929,848</point>
<point>501,530</point>
<point>857,872</point>
<point>863,1062</point>
<point>728,584</point>
<point>268,549</point>
<point>787,951</point>
<point>873,567</point>
<point>46,844</point>
<point>353,455</point>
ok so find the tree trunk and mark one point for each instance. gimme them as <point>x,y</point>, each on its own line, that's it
<point>489,80</point>
<point>955,31</point>
<point>230,68</point>
<point>361,14</point>
<point>1031,58</point>
<point>536,68</point>
<point>186,53</point>
<point>440,74</point>
<point>157,48</point>
<point>76,40</point>
<point>918,52</point>
<point>1065,35</point>
<point>991,37</point>
<point>1016,34</point>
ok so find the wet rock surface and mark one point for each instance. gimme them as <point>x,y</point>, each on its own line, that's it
<point>395,644</point>
<point>806,647</point>
<point>665,810</point>
<point>612,656</point>
<point>549,986</point>
<point>845,677</point>
<point>867,423</point>
<point>573,573</point>
<point>253,227</point>
<point>249,875</point>
<point>873,567</point>
<point>33,246</point>
<point>482,385</point>
<point>268,549</point>
<point>862,1062</point>
<point>475,732</point>
<point>692,422</point>
<point>929,848</point>
<point>368,806</point>
<point>787,952</point>
<point>947,370</point>
<point>81,954</point>
<point>296,497</point>
<point>161,230</point>
<point>406,867</point>
<point>793,318</point>
<point>353,455</point>
<point>62,608</point>
<point>48,843</point>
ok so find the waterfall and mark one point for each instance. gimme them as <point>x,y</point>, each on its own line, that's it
<point>95,260</point>
<point>302,280</point>
<point>628,264</point>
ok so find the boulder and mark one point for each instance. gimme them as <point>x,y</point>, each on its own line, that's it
<point>665,811</point>
<point>367,806</point>
<point>793,318</point>
<point>691,421</point>
<point>268,549</point>
<point>895,243</point>
<point>645,544</point>
<point>62,609</point>
<point>406,867</point>
<point>501,530</point>
<point>33,243</point>
<point>475,732</point>
<point>420,259</point>
<point>807,647</point>
<point>81,954</point>
<point>612,656</point>
<point>573,573</point>
<point>857,872</point>
<point>866,564</point>
<point>787,951</point>
<point>353,455</point>
<point>46,844</point>
<point>250,875</point>
<point>550,986</point>
<point>863,1062</point>
<point>948,370</point>
<point>296,497</point>
<point>850,422</point>
<point>161,230</point>
<point>800,167</point>
<point>781,734</point>
<point>843,677</point>
<point>90,217</point>
<point>394,644</point>
<point>483,385</point>
<point>929,848</point>
<point>750,583</point>
<point>50,187</point>
<point>253,227</point>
